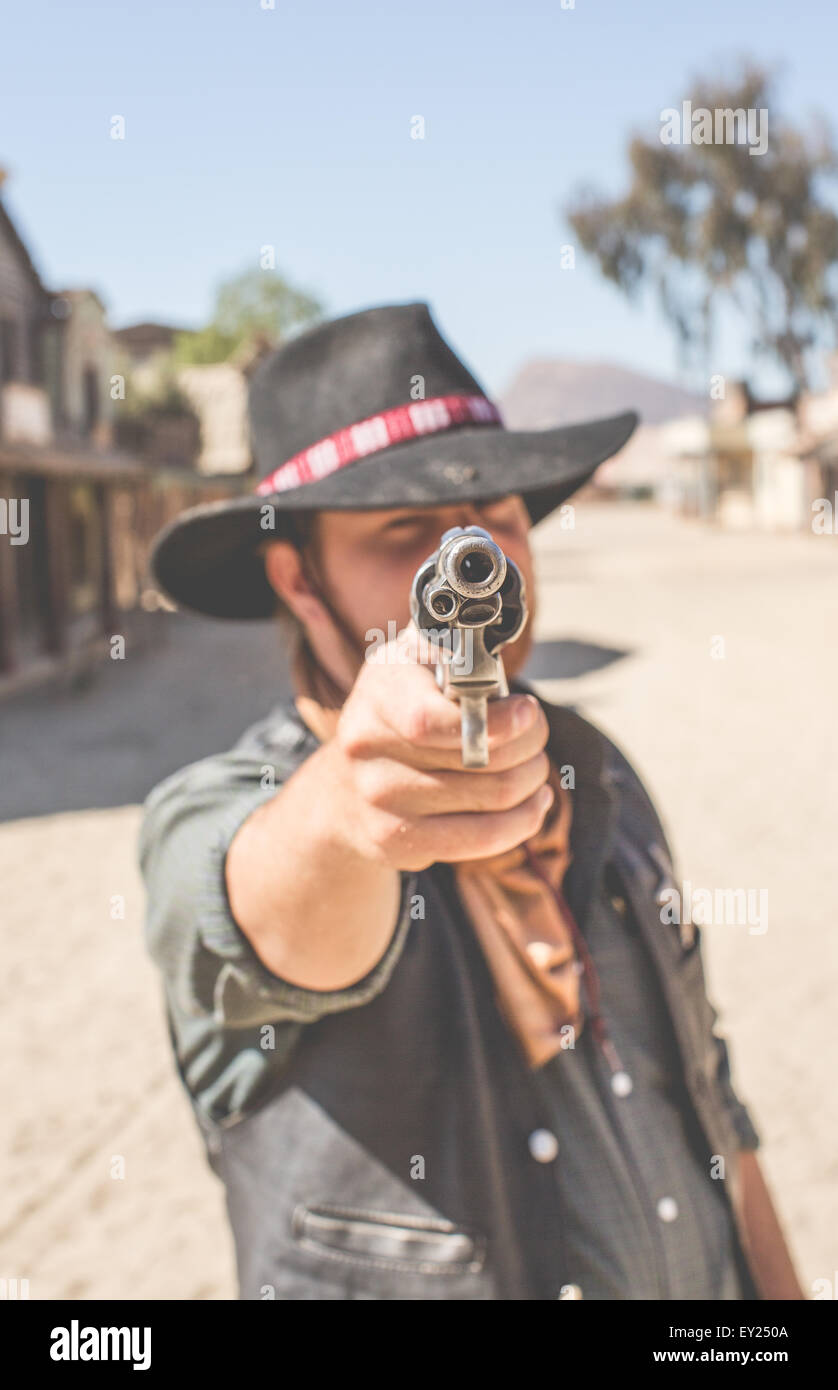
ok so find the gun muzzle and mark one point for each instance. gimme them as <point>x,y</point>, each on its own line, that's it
<point>469,598</point>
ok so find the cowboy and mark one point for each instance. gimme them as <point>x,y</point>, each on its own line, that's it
<point>439,1038</point>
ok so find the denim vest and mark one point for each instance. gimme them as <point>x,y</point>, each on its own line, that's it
<point>392,1160</point>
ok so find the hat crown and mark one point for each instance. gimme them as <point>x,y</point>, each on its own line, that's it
<point>347,370</point>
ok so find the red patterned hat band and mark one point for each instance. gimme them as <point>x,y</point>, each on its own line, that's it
<point>378,432</point>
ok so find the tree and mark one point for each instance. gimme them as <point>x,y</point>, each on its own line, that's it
<point>708,222</point>
<point>256,305</point>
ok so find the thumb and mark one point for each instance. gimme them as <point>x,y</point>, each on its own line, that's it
<point>416,645</point>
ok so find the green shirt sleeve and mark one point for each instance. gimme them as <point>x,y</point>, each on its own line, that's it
<point>233,1023</point>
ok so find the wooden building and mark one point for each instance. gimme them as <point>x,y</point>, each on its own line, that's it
<point>76,516</point>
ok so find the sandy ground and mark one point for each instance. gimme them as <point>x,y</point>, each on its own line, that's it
<point>105,1191</point>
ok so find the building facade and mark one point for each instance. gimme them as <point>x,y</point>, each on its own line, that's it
<point>77,516</point>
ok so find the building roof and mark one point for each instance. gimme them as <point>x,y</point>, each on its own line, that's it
<point>92,465</point>
<point>67,462</point>
<point>76,296</point>
<point>141,339</point>
<point>13,236</point>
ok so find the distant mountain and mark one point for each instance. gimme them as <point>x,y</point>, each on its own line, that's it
<point>550,392</point>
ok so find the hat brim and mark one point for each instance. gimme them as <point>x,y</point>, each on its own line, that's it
<point>209,560</point>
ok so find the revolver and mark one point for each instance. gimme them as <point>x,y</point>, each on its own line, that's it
<point>470,597</point>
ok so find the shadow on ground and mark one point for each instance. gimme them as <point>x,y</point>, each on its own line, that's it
<point>189,691</point>
<point>568,660</point>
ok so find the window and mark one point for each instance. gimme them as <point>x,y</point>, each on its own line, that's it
<point>8,350</point>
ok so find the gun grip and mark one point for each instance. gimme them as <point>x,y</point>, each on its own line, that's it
<point>475,739</point>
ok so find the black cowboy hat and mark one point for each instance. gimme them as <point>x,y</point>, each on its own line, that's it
<point>373,410</point>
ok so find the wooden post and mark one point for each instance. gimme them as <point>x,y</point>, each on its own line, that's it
<point>56,522</point>
<point>8,593</point>
<point>107,599</point>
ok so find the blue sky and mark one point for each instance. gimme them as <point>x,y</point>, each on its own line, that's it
<point>291,127</point>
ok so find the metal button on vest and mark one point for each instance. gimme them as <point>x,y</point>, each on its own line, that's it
<point>570,1291</point>
<point>621,1083</point>
<point>543,1145</point>
<point>667,1208</point>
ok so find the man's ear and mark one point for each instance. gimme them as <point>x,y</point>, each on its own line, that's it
<point>286,575</point>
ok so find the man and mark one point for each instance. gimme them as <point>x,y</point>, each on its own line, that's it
<point>440,1038</point>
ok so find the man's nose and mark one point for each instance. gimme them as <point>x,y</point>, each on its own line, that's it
<point>468,514</point>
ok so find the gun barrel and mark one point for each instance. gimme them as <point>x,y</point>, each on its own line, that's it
<point>474,565</point>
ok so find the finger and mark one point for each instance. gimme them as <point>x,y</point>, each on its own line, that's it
<point>427,718</point>
<point>407,648</point>
<point>417,644</point>
<point>428,734</point>
<point>411,648</point>
<point>482,834</point>
<point>407,792</point>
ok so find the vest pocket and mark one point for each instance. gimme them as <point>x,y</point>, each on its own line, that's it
<point>387,1240</point>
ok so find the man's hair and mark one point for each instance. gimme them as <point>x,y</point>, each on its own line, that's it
<point>302,532</point>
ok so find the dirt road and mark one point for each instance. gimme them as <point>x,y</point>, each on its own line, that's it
<point>710,658</point>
